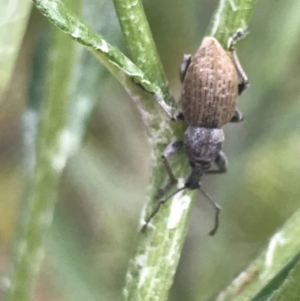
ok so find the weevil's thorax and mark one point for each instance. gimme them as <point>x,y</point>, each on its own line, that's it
<point>202,146</point>
<point>210,87</point>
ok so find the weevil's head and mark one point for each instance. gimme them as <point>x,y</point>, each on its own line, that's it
<point>202,146</point>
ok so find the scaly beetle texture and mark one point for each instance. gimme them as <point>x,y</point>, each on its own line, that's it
<point>211,83</point>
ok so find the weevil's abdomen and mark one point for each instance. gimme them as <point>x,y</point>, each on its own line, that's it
<point>210,87</point>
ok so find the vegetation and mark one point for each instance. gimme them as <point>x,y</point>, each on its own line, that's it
<point>84,152</point>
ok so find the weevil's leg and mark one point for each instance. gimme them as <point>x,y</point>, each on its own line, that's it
<point>183,69</point>
<point>221,162</point>
<point>170,150</point>
<point>167,109</point>
<point>159,100</point>
<point>179,116</point>
<point>164,106</point>
<point>240,34</point>
<point>156,209</point>
<point>217,208</point>
<point>185,65</point>
<point>237,116</point>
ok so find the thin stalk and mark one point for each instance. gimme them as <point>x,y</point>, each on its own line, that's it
<point>140,41</point>
<point>228,17</point>
<point>151,270</point>
<point>50,149</point>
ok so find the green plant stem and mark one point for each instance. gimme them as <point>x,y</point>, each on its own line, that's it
<point>228,17</point>
<point>52,147</point>
<point>141,44</point>
<point>151,270</point>
<point>161,245</point>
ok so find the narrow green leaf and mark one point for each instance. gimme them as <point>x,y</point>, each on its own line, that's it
<point>118,64</point>
<point>281,252</point>
<point>269,290</point>
<point>290,290</point>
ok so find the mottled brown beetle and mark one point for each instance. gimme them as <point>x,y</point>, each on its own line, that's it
<point>210,88</point>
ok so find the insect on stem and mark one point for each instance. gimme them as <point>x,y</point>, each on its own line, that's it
<point>206,109</point>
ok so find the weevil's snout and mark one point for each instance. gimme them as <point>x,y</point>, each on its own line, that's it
<point>193,181</point>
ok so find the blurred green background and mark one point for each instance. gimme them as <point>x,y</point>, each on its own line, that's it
<point>102,190</point>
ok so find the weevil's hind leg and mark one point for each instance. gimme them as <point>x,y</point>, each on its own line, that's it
<point>179,116</point>
<point>237,116</point>
<point>167,109</point>
<point>170,150</point>
<point>185,65</point>
<point>159,100</point>
<point>164,106</point>
<point>221,162</point>
<point>240,34</point>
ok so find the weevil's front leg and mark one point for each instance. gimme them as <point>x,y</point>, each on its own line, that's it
<point>185,65</point>
<point>221,162</point>
<point>170,150</point>
<point>183,69</point>
<point>240,34</point>
<point>237,117</point>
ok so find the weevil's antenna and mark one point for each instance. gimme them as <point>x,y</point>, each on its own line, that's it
<point>218,209</point>
<point>161,202</point>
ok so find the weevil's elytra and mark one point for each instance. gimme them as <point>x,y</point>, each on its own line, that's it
<point>210,87</point>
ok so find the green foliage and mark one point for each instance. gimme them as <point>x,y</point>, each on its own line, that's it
<point>65,88</point>
<point>50,152</point>
<point>151,271</point>
<point>123,69</point>
<point>271,269</point>
<point>139,39</point>
<point>228,17</point>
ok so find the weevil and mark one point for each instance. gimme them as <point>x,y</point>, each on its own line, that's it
<point>211,83</point>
